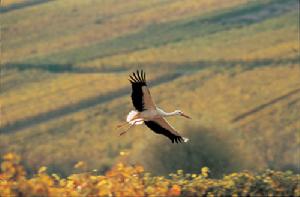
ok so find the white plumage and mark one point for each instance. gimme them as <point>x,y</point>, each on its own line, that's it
<point>147,112</point>
<point>130,118</point>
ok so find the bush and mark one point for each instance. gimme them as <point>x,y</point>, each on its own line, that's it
<point>128,180</point>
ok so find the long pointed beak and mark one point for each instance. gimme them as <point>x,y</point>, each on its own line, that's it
<point>186,116</point>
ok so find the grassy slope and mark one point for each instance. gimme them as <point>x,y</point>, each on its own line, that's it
<point>86,22</point>
<point>252,56</point>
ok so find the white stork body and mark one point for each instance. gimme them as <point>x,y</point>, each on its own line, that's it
<point>147,112</point>
<point>150,114</point>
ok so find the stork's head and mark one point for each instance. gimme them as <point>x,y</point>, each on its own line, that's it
<point>179,112</point>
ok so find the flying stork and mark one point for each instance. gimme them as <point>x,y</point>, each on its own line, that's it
<point>147,112</point>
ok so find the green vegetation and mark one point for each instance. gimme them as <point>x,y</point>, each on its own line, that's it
<point>232,65</point>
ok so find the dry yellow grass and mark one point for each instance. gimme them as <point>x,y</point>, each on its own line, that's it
<point>10,2</point>
<point>58,91</point>
<point>242,45</point>
<point>219,99</point>
<point>53,32</point>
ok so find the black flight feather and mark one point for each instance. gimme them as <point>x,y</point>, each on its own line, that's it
<point>137,82</point>
<point>160,130</point>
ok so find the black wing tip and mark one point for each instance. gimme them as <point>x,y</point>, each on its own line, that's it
<point>177,139</point>
<point>138,77</point>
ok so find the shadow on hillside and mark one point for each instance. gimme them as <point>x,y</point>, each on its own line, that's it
<point>81,105</point>
<point>265,105</point>
<point>181,68</point>
<point>68,68</point>
<point>251,13</point>
<point>247,65</point>
<point>61,68</point>
<point>219,151</point>
<point>160,34</point>
<point>21,5</point>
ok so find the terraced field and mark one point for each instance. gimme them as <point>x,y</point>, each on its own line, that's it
<point>232,65</point>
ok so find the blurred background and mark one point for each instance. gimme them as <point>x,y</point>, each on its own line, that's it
<point>232,65</point>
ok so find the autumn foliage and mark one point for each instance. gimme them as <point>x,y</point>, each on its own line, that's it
<point>131,180</point>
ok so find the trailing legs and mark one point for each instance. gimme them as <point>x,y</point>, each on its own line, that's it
<point>133,124</point>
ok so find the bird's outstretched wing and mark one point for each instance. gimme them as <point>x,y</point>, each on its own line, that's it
<point>161,126</point>
<point>141,97</point>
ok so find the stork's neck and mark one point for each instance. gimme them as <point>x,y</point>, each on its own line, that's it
<point>174,113</point>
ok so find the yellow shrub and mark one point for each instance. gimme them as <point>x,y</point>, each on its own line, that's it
<point>131,180</point>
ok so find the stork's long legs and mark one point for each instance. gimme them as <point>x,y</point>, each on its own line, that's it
<point>129,126</point>
<point>127,129</point>
<point>122,125</point>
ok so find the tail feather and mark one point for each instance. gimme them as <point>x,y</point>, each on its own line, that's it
<point>130,118</point>
<point>131,115</point>
<point>185,139</point>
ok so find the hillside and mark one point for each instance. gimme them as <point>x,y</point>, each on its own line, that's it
<point>232,65</point>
